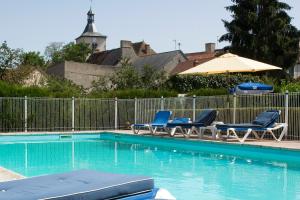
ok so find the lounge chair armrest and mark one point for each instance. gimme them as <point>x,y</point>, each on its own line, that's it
<point>216,122</point>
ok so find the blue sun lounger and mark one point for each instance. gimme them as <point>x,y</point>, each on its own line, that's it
<point>265,122</point>
<point>82,184</point>
<point>204,119</point>
<point>160,121</point>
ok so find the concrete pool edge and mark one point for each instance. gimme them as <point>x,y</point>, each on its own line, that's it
<point>9,175</point>
<point>284,145</point>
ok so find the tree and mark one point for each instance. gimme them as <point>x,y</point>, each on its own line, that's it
<point>33,59</point>
<point>152,78</point>
<point>76,52</point>
<point>56,52</point>
<point>262,30</point>
<point>9,58</point>
<point>53,52</point>
<point>126,78</point>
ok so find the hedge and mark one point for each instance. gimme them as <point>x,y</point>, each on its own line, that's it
<point>188,83</point>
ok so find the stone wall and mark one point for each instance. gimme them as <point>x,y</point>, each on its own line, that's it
<point>82,74</point>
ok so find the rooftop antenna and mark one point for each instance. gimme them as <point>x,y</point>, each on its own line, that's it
<point>91,3</point>
<point>179,45</point>
<point>175,42</point>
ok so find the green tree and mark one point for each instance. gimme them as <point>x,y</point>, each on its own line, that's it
<point>76,52</point>
<point>33,59</point>
<point>262,30</point>
<point>126,77</point>
<point>53,52</point>
<point>152,78</point>
<point>9,58</point>
<point>57,52</point>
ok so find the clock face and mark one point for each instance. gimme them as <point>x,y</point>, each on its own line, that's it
<point>94,40</point>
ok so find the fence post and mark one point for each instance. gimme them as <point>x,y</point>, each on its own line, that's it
<point>116,113</point>
<point>135,110</point>
<point>234,108</point>
<point>25,114</point>
<point>73,113</point>
<point>194,107</point>
<point>162,103</point>
<point>286,110</point>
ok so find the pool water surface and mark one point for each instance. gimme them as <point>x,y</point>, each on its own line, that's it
<point>188,171</point>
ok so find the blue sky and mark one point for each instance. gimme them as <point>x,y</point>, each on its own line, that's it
<point>33,24</point>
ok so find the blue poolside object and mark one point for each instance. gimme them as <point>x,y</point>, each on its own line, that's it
<point>160,121</point>
<point>265,122</point>
<point>77,185</point>
<point>252,88</point>
<point>205,118</point>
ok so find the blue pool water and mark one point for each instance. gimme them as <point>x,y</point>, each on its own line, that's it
<point>189,170</point>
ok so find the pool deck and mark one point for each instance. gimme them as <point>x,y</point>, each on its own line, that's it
<point>7,175</point>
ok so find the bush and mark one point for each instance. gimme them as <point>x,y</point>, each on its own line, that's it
<point>63,88</point>
<point>291,87</point>
<point>209,92</point>
<point>12,90</point>
<point>132,93</point>
<point>189,83</point>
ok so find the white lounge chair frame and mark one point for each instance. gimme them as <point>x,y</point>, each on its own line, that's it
<point>231,132</point>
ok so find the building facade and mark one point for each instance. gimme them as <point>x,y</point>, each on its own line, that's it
<point>103,62</point>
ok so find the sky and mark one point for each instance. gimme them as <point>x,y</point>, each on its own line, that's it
<point>33,24</point>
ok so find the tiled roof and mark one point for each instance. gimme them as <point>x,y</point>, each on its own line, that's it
<point>158,61</point>
<point>140,49</point>
<point>111,57</point>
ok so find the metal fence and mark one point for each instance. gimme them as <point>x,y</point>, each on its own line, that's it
<point>73,114</point>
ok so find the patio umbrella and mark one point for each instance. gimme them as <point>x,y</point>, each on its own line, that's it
<point>229,63</point>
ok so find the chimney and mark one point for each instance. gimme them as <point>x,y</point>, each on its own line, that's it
<point>125,44</point>
<point>127,49</point>
<point>210,47</point>
<point>147,49</point>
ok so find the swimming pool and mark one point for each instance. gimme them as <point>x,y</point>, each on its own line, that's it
<point>188,169</point>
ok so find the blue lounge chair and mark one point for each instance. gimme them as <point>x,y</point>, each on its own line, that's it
<point>204,119</point>
<point>82,184</point>
<point>160,121</point>
<point>173,125</point>
<point>265,122</point>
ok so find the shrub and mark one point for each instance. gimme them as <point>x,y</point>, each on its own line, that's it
<point>132,93</point>
<point>12,90</point>
<point>209,92</point>
<point>291,87</point>
<point>188,83</point>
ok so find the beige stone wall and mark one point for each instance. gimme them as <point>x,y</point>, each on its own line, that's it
<point>84,74</point>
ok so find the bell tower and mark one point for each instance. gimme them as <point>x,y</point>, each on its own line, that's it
<point>91,36</point>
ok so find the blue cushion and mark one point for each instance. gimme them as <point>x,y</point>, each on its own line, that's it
<point>162,117</point>
<point>82,184</point>
<point>206,117</point>
<point>178,122</point>
<point>266,118</point>
<point>238,127</point>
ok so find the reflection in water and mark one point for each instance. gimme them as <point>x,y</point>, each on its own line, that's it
<point>187,174</point>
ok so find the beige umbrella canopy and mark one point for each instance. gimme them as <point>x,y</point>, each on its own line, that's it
<point>229,63</point>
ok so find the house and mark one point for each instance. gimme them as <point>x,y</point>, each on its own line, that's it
<point>139,55</point>
<point>295,71</point>
<point>26,76</point>
<point>104,62</point>
<point>197,58</point>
